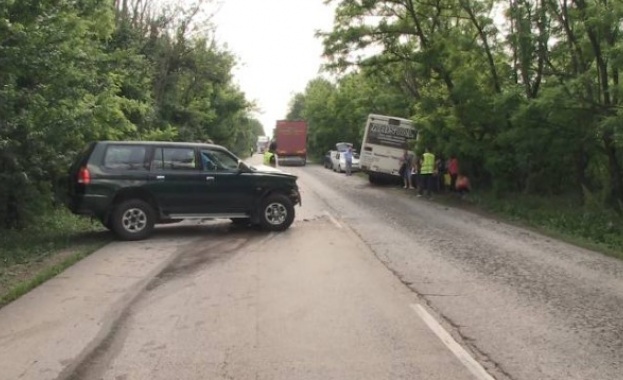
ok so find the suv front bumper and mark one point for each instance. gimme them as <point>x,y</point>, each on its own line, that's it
<point>296,197</point>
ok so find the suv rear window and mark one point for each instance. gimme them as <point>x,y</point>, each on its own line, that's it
<point>174,159</point>
<point>125,157</point>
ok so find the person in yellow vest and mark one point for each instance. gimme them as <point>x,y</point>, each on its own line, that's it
<point>426,173</point>
<point>270,157</point>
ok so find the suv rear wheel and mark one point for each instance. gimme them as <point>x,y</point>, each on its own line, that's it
<point>133,219</point>
<point>276,213</point>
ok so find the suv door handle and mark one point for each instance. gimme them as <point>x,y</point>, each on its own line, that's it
<point>159,177</point>
<point>208,178</point>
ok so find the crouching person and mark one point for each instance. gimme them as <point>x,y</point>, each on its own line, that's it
<point>463,186</point>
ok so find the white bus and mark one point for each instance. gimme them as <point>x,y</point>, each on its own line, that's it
<point>384,141</point>
<point>262,144</point>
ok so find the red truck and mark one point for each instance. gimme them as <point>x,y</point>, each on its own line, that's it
<point>291,138</point>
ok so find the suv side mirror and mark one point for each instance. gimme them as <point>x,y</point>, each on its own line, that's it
<point>242,166</point>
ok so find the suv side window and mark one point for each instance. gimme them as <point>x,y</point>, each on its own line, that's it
<point>125,157</point>
<point>218,160</point>
<point>174,159</point>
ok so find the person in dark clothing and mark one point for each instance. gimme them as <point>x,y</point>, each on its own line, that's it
<point>440,170</point>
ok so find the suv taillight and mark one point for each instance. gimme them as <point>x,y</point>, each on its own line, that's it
<point>84,176</point>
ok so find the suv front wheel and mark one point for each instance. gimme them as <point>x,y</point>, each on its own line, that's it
<point>133,219</point>
<point>276,213</point>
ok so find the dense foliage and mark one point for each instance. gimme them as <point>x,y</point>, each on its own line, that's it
<point>76,71</point>
<point>525,92</point>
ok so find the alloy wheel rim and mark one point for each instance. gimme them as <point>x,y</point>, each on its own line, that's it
<point>134,220</point>
<point>276,213</point>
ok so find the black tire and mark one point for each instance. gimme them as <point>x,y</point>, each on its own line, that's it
<point>106,223</point>
<point>373,180</point>
<point>276,213</point>
<point>133,220</point>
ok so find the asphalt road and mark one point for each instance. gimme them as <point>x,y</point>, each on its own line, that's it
<point>309,303</point>
<point>368,283</point>
<point>530,306</point>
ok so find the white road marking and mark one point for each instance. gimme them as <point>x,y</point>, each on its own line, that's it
<point>464,357</point>
<point>332,218</point>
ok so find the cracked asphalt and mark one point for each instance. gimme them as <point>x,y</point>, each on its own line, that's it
<point>330,298</point>
<point>528,305</point>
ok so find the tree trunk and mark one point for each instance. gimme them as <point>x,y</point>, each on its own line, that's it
<point>614,168</point>
<point>485,42</point>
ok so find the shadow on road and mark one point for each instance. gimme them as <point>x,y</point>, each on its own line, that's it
<point>186,229</point>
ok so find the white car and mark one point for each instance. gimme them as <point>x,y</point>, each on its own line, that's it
<point>338,162</point>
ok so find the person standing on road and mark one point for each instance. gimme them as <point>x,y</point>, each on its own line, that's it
<point>417,169</point>
<point>348,157</point>
<point>407,168</point>
<point>453,170</point>
<point>270,157</point>
<point>426,173</point>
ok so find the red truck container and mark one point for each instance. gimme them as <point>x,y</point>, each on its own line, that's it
<point>291,138</point>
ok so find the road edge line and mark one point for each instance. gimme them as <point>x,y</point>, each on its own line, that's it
<point>464,357</point>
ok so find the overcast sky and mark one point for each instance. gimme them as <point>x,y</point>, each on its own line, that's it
<point>275,44</point>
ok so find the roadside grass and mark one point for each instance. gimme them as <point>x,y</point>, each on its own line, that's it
<point>47,272</point>
<point>562,218</point>
<point>30,256</point>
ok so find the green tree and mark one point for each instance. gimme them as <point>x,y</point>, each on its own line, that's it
<point>296,108</point>
<point>73,72</point>
<point>530,104</point>
<point>54,95</point>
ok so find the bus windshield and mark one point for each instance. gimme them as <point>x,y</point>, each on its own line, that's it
<point>390,133</point>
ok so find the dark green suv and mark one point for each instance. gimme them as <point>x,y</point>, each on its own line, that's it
<point>132,185</point>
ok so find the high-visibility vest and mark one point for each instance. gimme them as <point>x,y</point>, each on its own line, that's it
<point>267,156</point>
<point>428,163</point>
